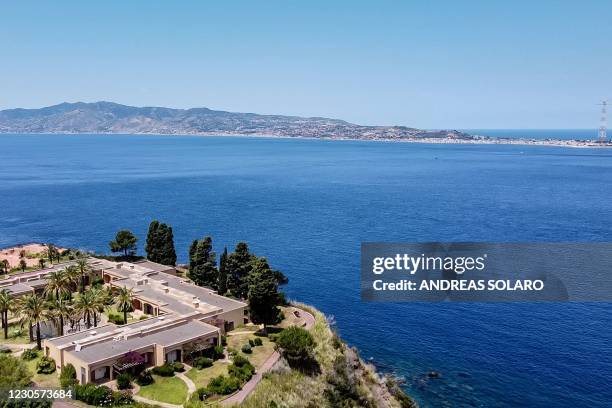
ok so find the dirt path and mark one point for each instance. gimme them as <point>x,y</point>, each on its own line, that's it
<point>241,395</point>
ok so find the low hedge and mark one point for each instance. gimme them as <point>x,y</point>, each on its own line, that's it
<point>166,370</point>
<point>247,349</point>
<point>178,366</point>
<point>258,342</point>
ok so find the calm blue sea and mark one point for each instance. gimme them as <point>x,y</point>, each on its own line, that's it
<point>307,205</point>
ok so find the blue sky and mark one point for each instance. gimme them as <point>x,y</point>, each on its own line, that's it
<point>428,64</point>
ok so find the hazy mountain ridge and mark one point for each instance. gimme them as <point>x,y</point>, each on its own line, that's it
<point>109,117</point>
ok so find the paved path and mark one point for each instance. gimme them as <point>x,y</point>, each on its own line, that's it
<point>191,388</point>
<point>241,395</point>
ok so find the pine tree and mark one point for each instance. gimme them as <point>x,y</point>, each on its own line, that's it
<point>160,244</point>
<point>222,281</point>
<point>202,263</point>
<point>125,241</point>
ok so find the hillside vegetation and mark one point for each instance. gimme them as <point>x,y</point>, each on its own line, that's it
<point>344,380</point>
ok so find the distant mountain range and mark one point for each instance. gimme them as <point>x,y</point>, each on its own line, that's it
<point>108,117</point>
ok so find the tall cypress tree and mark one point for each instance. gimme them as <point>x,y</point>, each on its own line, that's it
<point>202,263</point>
<point>222,282</point>
<point>263,295</point>
<point>160,244</point>
<point>168,252</point>
<point>238,268</point>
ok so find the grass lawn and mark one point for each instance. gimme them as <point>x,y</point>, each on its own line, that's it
<point>165,389</point>
<point>42,380</point>
<point>113,310</point>
<point>15,335</point>
<point>260,353</point>
<point>203,376</point>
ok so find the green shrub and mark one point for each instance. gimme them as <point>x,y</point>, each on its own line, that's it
<point>202,362</point>
<point>257,342</point>
<point>223,385</point>
<point>93,394</point>
<point>273,337</point>
<point>29,354</point>
<point>178,366</point>
<point>68,376</point>
<point>246,349</point>
<point>251,343</point>
<point>145,378</point>
<point>224,341</point>
<point>243,373</point>
<point>202,394</point>
<point>143,317</point>
<point>297,346</point>
<point>241,368</point>
<point>116,318</point>
<point>217,353</point>
<point>240,361</point>
<point>14,373</point>
<point>46,365</point>
<point>166,370</point>
<point>4,349</point>
<point>121,398</point>
<point>124,381</point>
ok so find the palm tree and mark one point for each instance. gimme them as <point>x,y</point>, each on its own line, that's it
<point>5,306</point>
<point>89,304</point>
<point>99,298</point>
<point>32,310</point>
<point>58,309</point>
<point>58,284</point>
<point>23,264</point>
<point>83,268</point>
<point>123,300</point>
<point>41,263</point>
<point>72,276</point>
<point>51,252</point>
<point>5,265</point>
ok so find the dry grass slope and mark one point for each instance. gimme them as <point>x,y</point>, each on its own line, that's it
<point>345,381</point>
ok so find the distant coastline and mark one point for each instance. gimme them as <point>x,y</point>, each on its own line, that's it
<point>113,118</point>
<point>475,140</point>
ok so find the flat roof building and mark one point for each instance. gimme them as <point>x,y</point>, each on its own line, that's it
<point>179,318</point>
